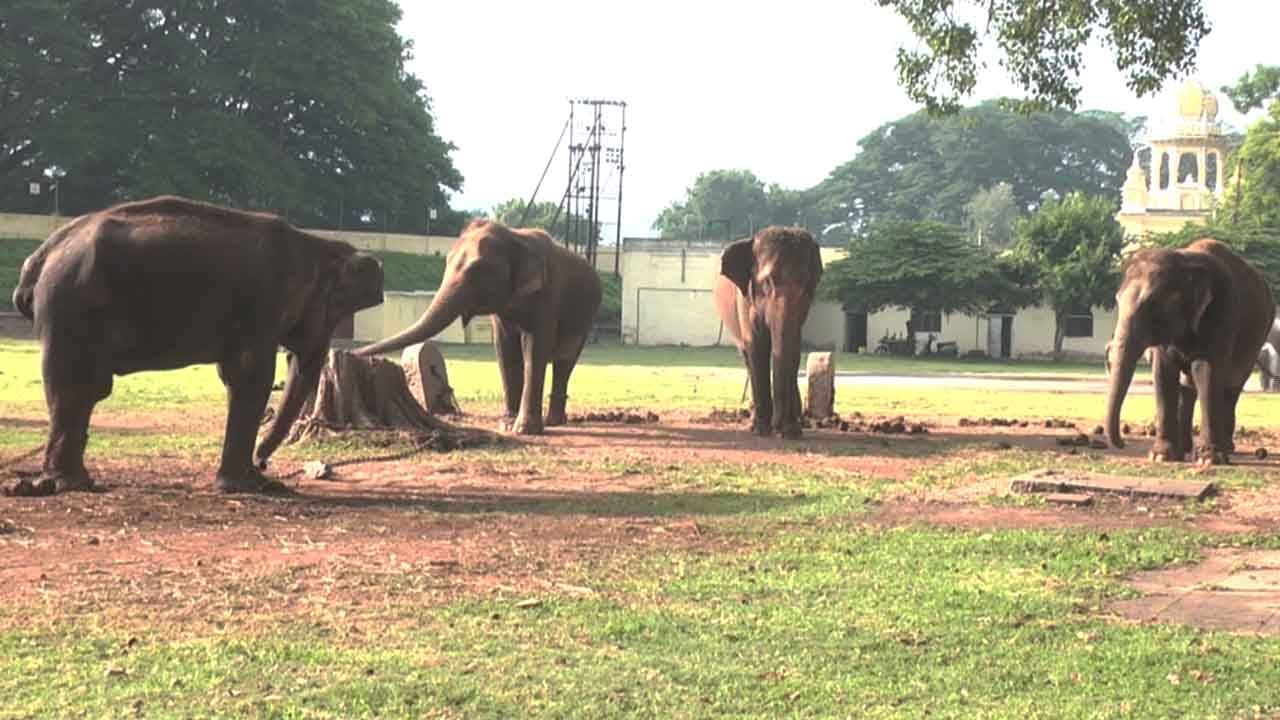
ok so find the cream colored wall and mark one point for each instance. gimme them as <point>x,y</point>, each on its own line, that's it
<point>966,331</point>
<point>824,328</point>
<point>1139,225</point>
<point>1033,330</point>
<point>666,296</point>
<point>399,310</point>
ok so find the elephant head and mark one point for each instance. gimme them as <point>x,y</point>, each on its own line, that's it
<point>491,269</point>
<point>777,272</point>
<point>347,283</point>
<point>1163,300</point>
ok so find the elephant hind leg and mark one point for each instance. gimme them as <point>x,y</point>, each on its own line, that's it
<point>247,377</point>
<point>74,381</point>
<point>561,369</point>
<point>1186,417</point>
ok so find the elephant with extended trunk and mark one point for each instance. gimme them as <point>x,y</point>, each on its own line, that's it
<point>1205,314</point>
<point>542,299</point>
<point>763,293</point>
<point>167,282</point>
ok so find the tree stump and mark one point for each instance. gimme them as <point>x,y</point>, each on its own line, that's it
<point>362,393</point>
<point>821,373</point>
<point>428,380</point>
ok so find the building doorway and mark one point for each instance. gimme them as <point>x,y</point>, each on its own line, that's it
<point>1000,336</point>
<point>855,330</point>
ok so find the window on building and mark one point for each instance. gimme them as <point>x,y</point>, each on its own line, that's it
<point>926,321</point>
<point>1078,324</point>
<point>1164,171</point>
<point>1188,168</point>
<point>1211,171</point>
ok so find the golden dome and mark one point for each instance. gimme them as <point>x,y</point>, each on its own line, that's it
<point>1195,101</point>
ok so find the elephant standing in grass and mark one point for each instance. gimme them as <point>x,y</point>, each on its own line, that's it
<point>542,299</point>
<point>763,293</point>
<point>167,282</point>
<point>1205,314</point>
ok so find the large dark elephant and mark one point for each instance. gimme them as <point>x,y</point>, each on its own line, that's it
<point>763,293</point>
<point>168,282</point>
<point>542,299</point>
<point>1205,314</point>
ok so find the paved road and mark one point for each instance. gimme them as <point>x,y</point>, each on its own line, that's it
<point>973,381</point>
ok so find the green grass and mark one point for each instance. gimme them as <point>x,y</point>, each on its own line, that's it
<point>13,252</point>
<point>819,620</point>
<point>407,271</point>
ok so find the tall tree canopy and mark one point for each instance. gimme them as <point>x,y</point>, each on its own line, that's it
<point>1252,198</point>
<point>305,108</point>
<point>1041,45</point>
<point>923,265</point>
<point>725,204</point>
<point>923,167</point>
<point>543,215</point>
<point>1072,248</point>
<point>990,215</point>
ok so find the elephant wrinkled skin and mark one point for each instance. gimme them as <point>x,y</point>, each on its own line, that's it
<point>763,293</point>
<point>542,299</point>
<point>167,282</point>
<point>1204,313</point>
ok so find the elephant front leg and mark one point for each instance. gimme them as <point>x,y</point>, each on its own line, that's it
<point>507,348</point>
<point>536,349</point>
<point>757,355</point>
<point>1211,448</point>
<point>247,377</point>
<point>1165,377</point>
<point>786,395</point>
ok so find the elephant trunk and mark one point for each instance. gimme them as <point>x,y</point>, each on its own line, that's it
<point>784,335</point>
<point>304,374</point>
<point>446,306</point>
<point>1124,355</point>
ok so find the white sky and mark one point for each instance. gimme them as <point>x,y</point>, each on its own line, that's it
<point>785,90</point>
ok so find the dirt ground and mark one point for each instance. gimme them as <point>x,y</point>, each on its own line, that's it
<point>434,527</point>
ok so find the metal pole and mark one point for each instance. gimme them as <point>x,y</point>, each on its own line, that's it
<point>617,240</point>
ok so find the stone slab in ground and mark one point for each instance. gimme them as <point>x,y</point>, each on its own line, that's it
<point>1072,499</point>
<point>1067,481</point>
<point>1233,590</point>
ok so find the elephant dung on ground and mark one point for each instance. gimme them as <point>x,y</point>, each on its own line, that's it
<point>542,299</point>
<point>1204,313</point>
<point>763,293</point>
<point>168,282</point>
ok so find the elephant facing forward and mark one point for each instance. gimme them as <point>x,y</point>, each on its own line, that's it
<point>542,299</point>
<point>167,282</point>
<point>1205,314</point>
<point>763,293</point>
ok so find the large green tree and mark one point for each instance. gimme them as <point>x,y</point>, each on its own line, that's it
<point>1073,249</point>
<point>924,265</point>
<point>990,214</point>
<point>728,203</point>
<point>1041,45</point>
<point>1252,199</point>
<point>305,108</point>
<point>923,167</point>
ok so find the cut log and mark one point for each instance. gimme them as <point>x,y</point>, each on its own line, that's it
<point>820,371</point>
<point>428,380</point>
<point>362,393</point>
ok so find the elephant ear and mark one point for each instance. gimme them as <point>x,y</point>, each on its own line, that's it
<point>736,263</point>
<point>528,265</point>
<point>815,267</point>
<point>357,284</point>
<point>1199,297</point>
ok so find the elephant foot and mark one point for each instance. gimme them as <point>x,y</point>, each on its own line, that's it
<point>249,482</point>
<point>789,432</point>
<point>527,426</point>
<point>1207,456</point>
<point>1165,452</point>
<point>762,429</point>
<point>555,419</point>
